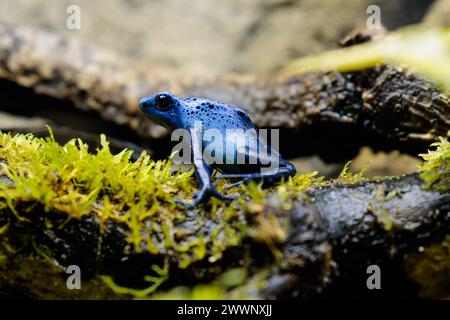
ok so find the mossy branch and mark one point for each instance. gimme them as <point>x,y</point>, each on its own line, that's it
<point>114,217</point>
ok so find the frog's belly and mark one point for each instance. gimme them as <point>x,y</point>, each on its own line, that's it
<point>227,158</point>
<point>237,154</point>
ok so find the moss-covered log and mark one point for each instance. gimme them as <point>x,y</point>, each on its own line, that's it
<point>61,205</point>
<point>387,101</point>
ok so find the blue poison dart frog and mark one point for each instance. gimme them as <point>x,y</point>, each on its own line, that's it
<point>187,113</point>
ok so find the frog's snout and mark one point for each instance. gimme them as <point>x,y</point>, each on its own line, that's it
<point>144,103</point>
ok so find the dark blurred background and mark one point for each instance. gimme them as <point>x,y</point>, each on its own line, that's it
<point>215,36</point>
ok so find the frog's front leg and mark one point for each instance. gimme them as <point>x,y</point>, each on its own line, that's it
<point>203,174</point>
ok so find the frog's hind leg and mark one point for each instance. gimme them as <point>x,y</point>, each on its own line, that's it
<point>268,177</point>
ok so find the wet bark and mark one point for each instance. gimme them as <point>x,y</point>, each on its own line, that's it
<point>333,234</point>
<point>338,234</point>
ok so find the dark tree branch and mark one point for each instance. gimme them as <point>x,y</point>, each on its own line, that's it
<point>332,234</point>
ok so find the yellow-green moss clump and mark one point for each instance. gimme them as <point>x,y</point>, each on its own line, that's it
<point>234,284</point>
<point>435,171</point>
<point>69,180</point>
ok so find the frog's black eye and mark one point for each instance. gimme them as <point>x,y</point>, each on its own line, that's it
<point>163,101</point>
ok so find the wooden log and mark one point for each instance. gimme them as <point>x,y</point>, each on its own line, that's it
<point>319,243</point>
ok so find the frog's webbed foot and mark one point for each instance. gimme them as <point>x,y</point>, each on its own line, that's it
<point>184,204</point>
<point>243,178</point>
<point>203,196</point>
<point>234,184</point>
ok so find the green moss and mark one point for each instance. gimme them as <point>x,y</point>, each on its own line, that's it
<point>161,276</point>
<point>70,181</point>
<point>301,182</point>
<point>233,284</point>
<point>67,179</point>
<point>351,178</point>
<point>435,171</point>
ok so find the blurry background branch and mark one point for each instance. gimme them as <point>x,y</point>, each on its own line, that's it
<point>426,50</point>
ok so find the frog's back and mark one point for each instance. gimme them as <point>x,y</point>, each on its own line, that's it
<point>215,115</point>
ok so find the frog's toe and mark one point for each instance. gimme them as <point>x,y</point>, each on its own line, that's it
<point>203,196</point>
<point>230,198</point>
<point>184,204</point>
<point>234,184</point>
<point>231,176</point>
<point>199,197</point>
<point>220,196</point>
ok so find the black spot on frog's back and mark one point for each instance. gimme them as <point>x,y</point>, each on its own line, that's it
<point>241,114</point>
